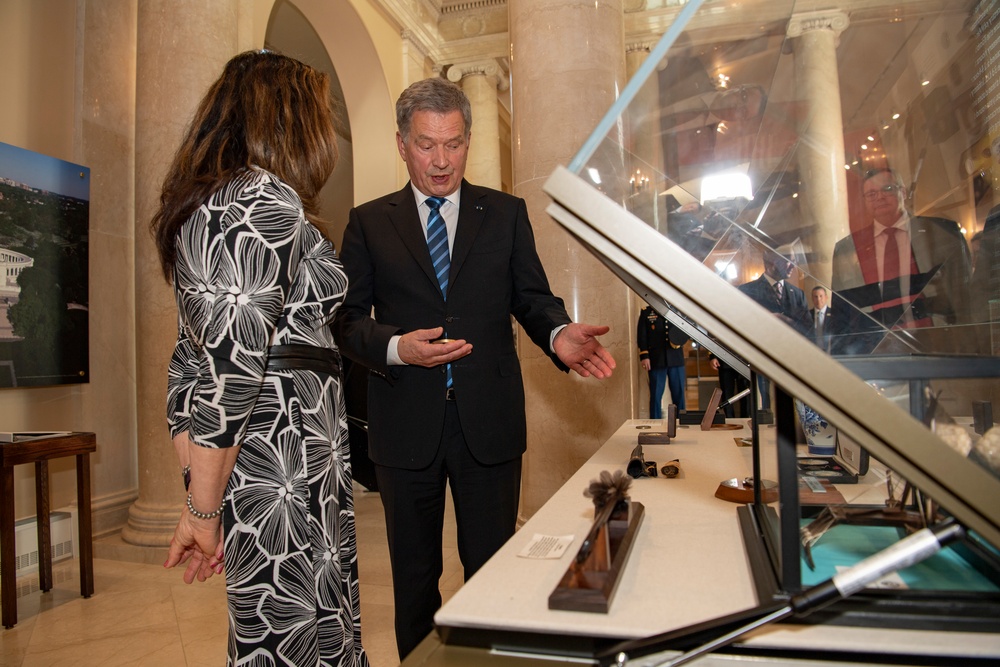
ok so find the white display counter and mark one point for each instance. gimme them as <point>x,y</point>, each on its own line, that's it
<point>688,563</point>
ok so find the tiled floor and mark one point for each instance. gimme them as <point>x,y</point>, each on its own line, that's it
<point>141,614</point>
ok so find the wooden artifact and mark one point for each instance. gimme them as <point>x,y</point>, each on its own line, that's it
<point>707,422</point>
<point>591,579</point>
<point>740,491</point>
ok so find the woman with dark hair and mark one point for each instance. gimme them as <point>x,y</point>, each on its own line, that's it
<point>255,401</point>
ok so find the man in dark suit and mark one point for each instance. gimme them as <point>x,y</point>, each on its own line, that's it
<point>661,354</point>
<point>773,291</point>
<point>445,397</point>
<point>822,323</point>
<point>903,273</point>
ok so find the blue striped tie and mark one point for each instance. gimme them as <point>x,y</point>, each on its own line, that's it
<point>437,243</point>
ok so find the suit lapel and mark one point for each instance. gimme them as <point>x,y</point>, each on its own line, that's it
<point>406,221</point>
<point>471,214</point>
<point>922,241</point>
<point>864,250</point>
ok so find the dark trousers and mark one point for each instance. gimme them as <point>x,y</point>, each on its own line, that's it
<point>657,383</point>
<point>677,377</point>
<point>732,383</point>
<point>764,385</point>
<point>486,500</point>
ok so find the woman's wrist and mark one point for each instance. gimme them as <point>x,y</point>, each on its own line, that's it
<point>203,515</point>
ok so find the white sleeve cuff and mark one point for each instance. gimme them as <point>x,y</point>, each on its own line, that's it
<point>392,353</point>
<point>552,337</point>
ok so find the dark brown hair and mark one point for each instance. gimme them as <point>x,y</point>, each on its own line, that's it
<point>266,110</point>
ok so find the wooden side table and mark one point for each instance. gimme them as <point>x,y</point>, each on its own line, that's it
<point>38,451</point>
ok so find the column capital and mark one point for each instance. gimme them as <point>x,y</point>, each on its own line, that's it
<point>486,67</point>
<point>803,22</point>
<point>412,39</point>
<point>638,47</point>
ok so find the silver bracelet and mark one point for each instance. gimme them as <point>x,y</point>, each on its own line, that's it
<point>201,515</point>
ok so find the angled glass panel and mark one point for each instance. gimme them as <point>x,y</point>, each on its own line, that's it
<point>851,158</point>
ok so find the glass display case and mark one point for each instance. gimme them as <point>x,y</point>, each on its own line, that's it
<point>814,195</point>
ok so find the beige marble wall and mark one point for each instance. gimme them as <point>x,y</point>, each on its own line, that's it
<point>38,65</point>
<point>69,88</point>
<point>567,66</point>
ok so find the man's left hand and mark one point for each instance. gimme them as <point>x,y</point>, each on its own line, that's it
<point>577,347</point>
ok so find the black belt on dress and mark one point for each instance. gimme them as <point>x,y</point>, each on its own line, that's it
<point>303,357</point>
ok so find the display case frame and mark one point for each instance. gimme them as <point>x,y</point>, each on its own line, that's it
<point>639,256</point>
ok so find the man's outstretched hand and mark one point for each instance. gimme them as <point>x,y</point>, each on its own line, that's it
<point>577,347</point>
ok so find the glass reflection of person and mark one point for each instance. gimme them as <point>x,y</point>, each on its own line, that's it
<point>787,302</point>
<point>986,281</point>
<point>900,272</point>
<point>820,314</point>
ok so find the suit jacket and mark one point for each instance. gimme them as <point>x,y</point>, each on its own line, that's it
<point>941,289</point>
<point>792,305</point>
<point>659,342</point>
<point>495,274</point>
<point>829,326</point>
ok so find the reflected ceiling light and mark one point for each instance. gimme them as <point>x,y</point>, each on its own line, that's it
<point>847,166</point>
<point>895,116</point>
<point>871,138</point>
<point>726,186</point>
<point>594,175</point>
<point>864,147</point>
<point>925,82</point>
<point>721,266</point>
<point>795,195</point>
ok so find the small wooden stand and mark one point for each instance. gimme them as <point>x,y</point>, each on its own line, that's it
<point>590,585</point>
<point>736,490</point>
<point>39,450</point>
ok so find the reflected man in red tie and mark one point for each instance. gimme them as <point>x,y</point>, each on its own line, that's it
<point>900,272</point>
<point>773,291</point>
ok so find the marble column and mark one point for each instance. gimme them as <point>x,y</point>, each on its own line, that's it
<point>106,145</point>
<point>182,46</point>
<point>823,201</point>
<point>567,67</point>
<point>415,62</point>
<point>481,81</point>
<point>644,147</point>
<point>646,182</point>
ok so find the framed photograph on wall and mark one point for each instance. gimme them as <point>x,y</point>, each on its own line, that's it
<point>44,288</point>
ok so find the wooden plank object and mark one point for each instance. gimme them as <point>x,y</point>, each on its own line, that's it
<point>590,585</point>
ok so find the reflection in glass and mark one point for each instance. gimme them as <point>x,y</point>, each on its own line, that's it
<point>843,171</point>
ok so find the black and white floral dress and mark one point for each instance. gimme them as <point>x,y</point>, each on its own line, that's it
<point>251,272</point>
